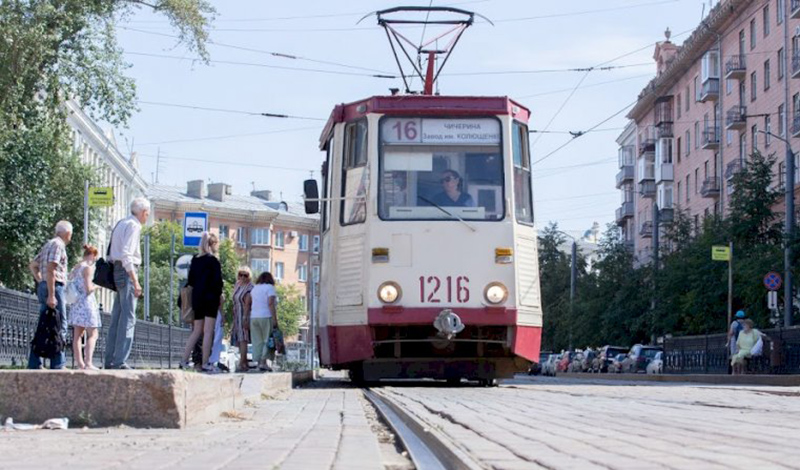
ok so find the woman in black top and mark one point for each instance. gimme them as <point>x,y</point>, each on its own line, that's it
<point>205,277</point>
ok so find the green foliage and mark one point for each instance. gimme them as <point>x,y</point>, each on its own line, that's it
<point>290,309</point>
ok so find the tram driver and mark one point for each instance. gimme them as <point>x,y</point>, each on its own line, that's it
<point>452,194</point>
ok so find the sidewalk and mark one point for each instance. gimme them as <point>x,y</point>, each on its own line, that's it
<point>308,429</point>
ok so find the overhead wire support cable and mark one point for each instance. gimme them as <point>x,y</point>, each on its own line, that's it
<point>232,111</point>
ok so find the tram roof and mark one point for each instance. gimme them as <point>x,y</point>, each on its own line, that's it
<point>427,105</point>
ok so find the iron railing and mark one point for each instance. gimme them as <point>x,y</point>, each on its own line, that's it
<point>708,354</point>
<point>19,315</point>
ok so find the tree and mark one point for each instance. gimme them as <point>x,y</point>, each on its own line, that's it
<point>51,51</point>
<point>290,309</point>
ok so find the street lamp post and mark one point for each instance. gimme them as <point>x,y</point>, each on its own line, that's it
<point>573,277</point>
<point>788,231</point>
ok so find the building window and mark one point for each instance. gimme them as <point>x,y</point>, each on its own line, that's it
<point>278,271</point>
<point>728,86</point>
<point>781,175</point>
<point>766,20</point>
<point>315,273</point>
<point>728,138</point>
<point>696,135</point>
<point>768,130</point>
<point>697,88</point>
<point>240,238</point>
<point>782,120</point>
<point>679,105</point>
<point>688,140</point>
<point>678,150</point>
<point>687,98</point>
<point>303,242</point>
<point>779,10</point>
<point>781,63</point>
<point>679,193</point>
<point>754,137</point>
<point>302,273</point>
<point>688,177</point>
<point>259,265</point>
<point>260,236</point>
<point>315,245</point>
<point>752,34</point>
<point>766,75</point>
<point>224,232</point>
<point>279,239</point>
<point>753,86</point>
<point>696,178</point>
<point>742,146</point>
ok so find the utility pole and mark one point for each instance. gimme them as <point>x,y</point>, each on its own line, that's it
<point>86,212</point>
<point>171,294</point>
<point>654,300</point>
<point>573,281</point>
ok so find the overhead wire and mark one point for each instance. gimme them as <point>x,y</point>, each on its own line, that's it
<point>227,163</point>
<point>230,136</point>
<point>231,111</point>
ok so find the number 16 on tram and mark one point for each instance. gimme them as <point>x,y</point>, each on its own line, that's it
<point>428,256</point>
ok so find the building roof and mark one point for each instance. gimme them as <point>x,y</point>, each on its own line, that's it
<point>234,205</point>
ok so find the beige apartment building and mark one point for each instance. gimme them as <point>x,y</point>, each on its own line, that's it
<point>713,99</point>
<point>269,235</point>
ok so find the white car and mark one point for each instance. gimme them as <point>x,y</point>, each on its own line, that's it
<point>656,366</point>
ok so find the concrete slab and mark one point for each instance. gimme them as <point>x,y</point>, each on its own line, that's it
<point>139,398</point>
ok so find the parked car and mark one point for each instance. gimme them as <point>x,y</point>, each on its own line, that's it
<point>656,366</point>
<point>615,364</point>
<point>607,355</point>
<point>549,366</point>
<point>565,361</point>
<point>638,358</point>
<point>588,363</point>
<point>536,367</point>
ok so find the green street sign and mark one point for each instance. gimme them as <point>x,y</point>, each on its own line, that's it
<point>720,253</point>
<point>101,197</point>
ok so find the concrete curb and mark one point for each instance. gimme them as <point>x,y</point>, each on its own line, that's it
<point>141,399</point>
<point>711,379</point>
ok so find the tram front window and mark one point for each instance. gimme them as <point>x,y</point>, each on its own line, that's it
<point>441,169</point>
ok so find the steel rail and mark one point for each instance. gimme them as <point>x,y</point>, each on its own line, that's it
<point>426,451</point>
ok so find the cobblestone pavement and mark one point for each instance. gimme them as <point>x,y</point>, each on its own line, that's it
<point>315,428</point>
<point>577,424</point>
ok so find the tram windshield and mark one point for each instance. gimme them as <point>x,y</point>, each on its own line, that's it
<point>441,169</point>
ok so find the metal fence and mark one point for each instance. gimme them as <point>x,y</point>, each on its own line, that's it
<point>708,354</point>
<point>154,345</point>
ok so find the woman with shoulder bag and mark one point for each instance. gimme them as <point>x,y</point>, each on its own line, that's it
<point>205,279</point>
<point>84,313</point>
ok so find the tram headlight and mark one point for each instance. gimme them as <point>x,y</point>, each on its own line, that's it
<point>389,292</point>
<point>495,293</point>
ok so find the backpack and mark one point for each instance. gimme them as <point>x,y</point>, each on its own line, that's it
<point>47,341</point>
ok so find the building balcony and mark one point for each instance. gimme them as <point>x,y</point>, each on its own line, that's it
<point>625,175</point>
<point>795,9</point>
<point>627,155</point>
<point>647,168</point>
<point>796,125</point>
<point>711,138</point>
<point>666,214</point>
<point>710,90</point>
<point>625,211</point>
<point>736,68</point>
<point>711,187</point>
<point>665,172</point>
<point>647,139</point>
<point>736,118</point>
<point>665,129</point>
<point>646,229</point>
<point>732,168</point>
<point>663,111</point>
<point>628,244</point>
<point>647,189</point>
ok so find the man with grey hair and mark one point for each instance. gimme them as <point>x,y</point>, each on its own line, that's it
<point>49,269</point>
<point>125,253</point>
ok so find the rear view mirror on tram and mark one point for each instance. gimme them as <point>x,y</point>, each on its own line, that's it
<point>311,193</point>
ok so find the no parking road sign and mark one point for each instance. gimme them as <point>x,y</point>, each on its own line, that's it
<point>773,281</point>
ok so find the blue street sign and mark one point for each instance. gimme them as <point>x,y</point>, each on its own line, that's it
<point>194,224</point>
<point>773,281</point>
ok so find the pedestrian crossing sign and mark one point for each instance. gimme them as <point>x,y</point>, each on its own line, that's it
<point>720,253</point>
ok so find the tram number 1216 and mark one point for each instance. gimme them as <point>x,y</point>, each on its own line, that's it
<point>433,289</point>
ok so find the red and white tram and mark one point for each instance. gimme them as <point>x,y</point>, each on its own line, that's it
<point>428,255</point>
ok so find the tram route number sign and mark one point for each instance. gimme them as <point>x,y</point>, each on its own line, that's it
<point>773,281</point>
<point>440,131</point>
<point>450,289</point>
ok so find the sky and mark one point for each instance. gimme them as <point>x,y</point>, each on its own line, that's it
<point>525,55</point>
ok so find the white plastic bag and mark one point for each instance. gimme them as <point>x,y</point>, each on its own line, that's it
<point>71,292</point>
<point>758,348</point>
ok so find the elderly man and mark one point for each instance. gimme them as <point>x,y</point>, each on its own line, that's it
<point>49,269</point>
<point>127,257</point>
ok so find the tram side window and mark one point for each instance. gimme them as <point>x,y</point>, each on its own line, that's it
<point>326,187</point>
<point>355,177</point>
<point>523,200</point>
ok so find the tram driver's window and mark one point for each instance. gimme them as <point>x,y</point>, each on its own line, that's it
<point>355,177</point>
<point>523,200</point>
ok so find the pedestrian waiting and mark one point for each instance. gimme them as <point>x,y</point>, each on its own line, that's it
<point>205,282</point>
<point>125,253</point>
<point>263,318</point>
<point>242,305</point>
<point>49,269</point>
<point>84,313</point>
<point>733,332</point>
<point>749,344</point>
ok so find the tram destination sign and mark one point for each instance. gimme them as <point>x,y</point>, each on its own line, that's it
<point>479,131</point>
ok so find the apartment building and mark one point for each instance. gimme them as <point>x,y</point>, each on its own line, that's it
<point>714,98</point>
<point>98,149</point>
<point>269,235</point>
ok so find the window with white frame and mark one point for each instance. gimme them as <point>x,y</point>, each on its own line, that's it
<point>766,75</point>
<point>315,245</point>
<point>260,236</point>
<point>782,120</point>
<point>765,12</point>
<point>279,271</point>
<point>279,239</point>
<point>315,273</point>
<point>752,34</point>
<point>753,86</point>
<point>779,10</point>
<point>303,242</point>
<point>259,265</point>
<point>781,63</point>
<point>302,272</point>
<point>240,237</point>
<point>768,130</point>
<point>224,232</point>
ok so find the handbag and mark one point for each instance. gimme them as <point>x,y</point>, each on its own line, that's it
<point>72,293</point>
<point>277,339</point>
<point>104,268</point>
<point>48,341</point>
<point>187,312</point>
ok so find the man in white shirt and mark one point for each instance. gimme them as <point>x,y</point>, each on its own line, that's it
<point>126,255</point>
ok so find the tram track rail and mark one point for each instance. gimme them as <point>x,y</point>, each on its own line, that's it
<point>426,450</point>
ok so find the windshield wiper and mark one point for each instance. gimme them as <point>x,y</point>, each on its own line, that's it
<point>447,212</point>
